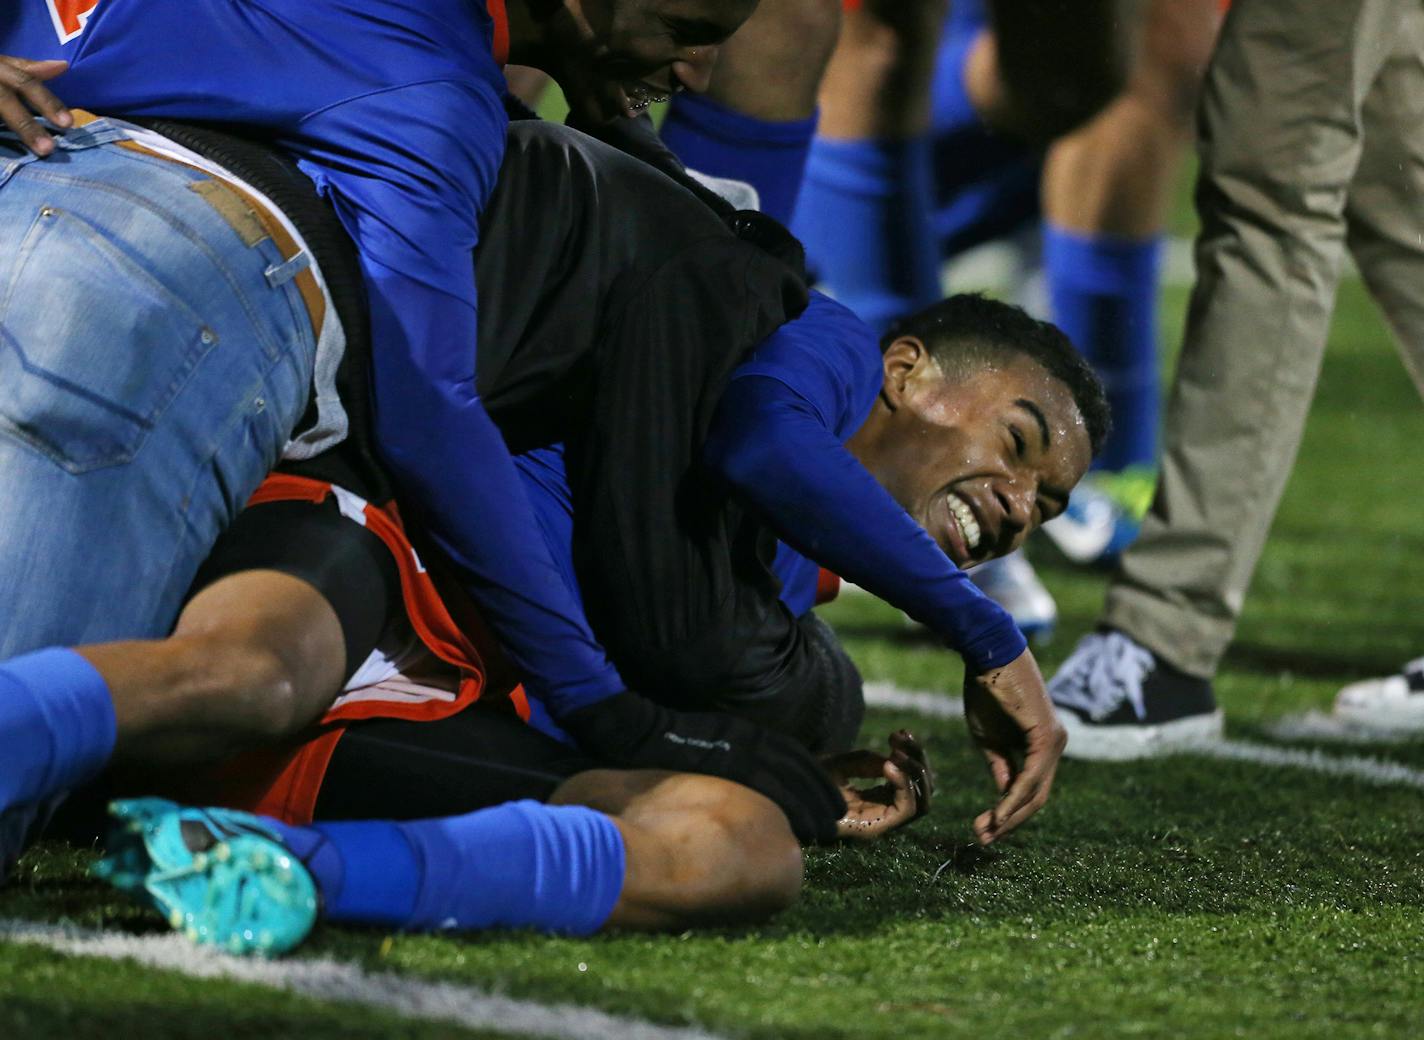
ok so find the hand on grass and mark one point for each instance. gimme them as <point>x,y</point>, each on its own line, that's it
<point>1013,722</point>
<point>905,795</point>
<point>23,94</point>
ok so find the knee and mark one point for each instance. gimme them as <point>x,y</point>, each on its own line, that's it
<point>699,849</point>
<point>763,839</point>
<point>1179,40</point>
<point>248,684</point>
<point>758,870</point>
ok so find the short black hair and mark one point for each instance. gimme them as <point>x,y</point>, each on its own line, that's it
<point>967,331</point>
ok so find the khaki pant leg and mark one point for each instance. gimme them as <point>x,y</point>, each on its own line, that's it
<point>1386,207</point>
<point>1281,136</point>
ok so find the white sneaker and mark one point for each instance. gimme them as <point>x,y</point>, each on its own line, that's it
<point>1395,702</point>
<point>1012,583</point>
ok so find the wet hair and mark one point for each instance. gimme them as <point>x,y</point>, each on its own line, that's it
<point>967,332</point>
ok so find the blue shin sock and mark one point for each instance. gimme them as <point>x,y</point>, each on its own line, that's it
<point>519,865</point>
<point>770,156</point>
<point>1104,296</point>
<point>56,725</point>
<point>864,216</point>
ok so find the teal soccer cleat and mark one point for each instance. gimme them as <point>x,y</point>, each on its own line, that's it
<point>221,877</point>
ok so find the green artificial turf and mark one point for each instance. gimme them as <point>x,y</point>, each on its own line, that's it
<point>1184,897</point>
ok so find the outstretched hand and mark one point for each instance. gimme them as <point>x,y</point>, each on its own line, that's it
<point>23,96</point>
<point>1012,720</point>
<point>904,796</point>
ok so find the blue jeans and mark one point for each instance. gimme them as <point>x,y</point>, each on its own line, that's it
<point>152,367</point>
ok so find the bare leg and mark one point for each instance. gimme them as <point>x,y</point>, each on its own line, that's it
<point>877,84</point>
<point>1114,175</point>
<point>255,657</point>
<point>771,67</point>
<point>700,850</point>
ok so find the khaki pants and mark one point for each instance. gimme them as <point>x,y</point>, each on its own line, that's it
<point>1312,140</point>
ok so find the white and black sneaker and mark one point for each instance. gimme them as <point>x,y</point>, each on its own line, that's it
<point>1119,702</point>
<point>1395,702</point>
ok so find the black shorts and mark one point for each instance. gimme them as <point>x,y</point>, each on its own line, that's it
<point>389,768</point>
<point>348,564</point>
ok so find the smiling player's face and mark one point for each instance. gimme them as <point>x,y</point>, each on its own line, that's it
<point>638,52</point>
<point>980,461</point>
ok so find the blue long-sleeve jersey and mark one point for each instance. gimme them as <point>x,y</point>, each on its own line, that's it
<point>394,109</point>
<point>779,438</point>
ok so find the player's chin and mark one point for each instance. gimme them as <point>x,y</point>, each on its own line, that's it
<point>601,104</point>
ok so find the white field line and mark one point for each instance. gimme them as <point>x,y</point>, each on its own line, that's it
<point>1326,728</point>
<point>1360,767</point>
<point>330,980</point>
<point>935,705</point>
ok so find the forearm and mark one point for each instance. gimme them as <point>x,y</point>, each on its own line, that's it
<point>783,461</point>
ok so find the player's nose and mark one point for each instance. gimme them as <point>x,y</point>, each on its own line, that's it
<point>693,67</point>
<point>1015,498</point>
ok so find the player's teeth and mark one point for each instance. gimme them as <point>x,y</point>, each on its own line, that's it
<point>968,526</point>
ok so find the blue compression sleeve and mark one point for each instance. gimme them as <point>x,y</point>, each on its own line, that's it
<point>1104,295</point>
<point>445,450</point>
<point>770,156</point>
<point>777,438</point>
<point>865,218</point>
<point>520,865</point>
<point>56,725</point>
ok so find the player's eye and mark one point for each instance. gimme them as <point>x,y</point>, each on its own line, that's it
<point>695,32</point>
<point>1020,444</point>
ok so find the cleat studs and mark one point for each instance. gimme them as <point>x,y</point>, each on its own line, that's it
<point>261,860</point>
<point>192,933</point>
<point>175,919</point>
<point>222,852</point>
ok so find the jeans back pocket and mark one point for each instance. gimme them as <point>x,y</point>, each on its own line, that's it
<point>94,344</point>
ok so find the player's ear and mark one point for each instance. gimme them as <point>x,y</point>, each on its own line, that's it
<point>905,363</point>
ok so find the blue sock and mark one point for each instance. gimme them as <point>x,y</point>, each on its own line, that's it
<point>865,219</point>
<point>1104,295</point>
<point>519,865</point>
<point>770,156</point>
<point>56,725</point>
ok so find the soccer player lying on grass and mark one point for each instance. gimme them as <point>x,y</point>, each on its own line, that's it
<point>315,575</point>
<point>616,307</point>
<point>610,849</point>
